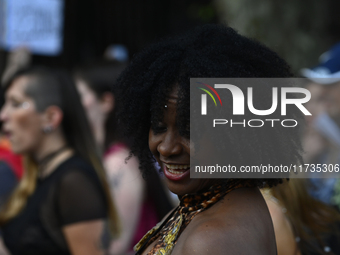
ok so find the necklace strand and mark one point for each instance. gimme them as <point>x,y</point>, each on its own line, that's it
<point>44,161</point>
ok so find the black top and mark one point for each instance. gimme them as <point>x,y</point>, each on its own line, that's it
<point>72,193</point>
<point>8,181</point>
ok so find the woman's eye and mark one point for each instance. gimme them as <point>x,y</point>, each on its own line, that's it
<point>15,104</point>
<point>159,129</point>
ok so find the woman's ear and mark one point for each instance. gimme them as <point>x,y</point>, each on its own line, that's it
<point>107,102</point>
<point>53,117</point>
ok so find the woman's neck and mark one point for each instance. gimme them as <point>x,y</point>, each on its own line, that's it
<point>50,153</point>
<point>50,166</point>
<point>99,135</point>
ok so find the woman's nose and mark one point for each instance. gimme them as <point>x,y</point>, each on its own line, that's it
<point>3,113</point>
<point>170,146</point>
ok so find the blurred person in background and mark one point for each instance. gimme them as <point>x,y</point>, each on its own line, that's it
<point>10,173</point>
<point>303,225</point>
<point>63,203</point>
<point>17,59</point>
<point>325,82</point>
<point>10,163</point>
<point>314,143</point>
<point>140,204</point>
<point>11,168</point>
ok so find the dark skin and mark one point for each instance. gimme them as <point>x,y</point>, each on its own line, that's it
<point>240,223</point>
<point>169,147</point>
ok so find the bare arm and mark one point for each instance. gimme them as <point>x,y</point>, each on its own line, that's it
<point>128,188</point>
<point>284,235</point>
<point>3,250</point>
<point>84,238</point>
<point>82,213</point>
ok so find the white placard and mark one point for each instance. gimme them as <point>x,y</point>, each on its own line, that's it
<point>35,24</point>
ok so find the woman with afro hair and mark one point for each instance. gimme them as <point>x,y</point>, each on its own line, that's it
<point>215,216</point>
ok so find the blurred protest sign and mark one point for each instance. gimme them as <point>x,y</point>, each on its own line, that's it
<point>35,24</point>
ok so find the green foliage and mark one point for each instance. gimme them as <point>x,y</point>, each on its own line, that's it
<point>299,30</point>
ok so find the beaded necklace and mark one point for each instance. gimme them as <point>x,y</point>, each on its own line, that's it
<point>190,205</point>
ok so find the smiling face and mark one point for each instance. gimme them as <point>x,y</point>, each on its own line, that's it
<point>21,122</point>
<point>172,151</point>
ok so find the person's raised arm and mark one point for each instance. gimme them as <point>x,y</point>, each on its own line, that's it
<point>128,189</point>
<point>85,238</point>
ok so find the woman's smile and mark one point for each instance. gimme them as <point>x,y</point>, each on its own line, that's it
<point>176,172</point>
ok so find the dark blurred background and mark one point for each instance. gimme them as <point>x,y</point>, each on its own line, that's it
<point>299,30</point>
<point>91,26</point>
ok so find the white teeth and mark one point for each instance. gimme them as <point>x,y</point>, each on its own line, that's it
<point>174,172</point>
<point>172,168</point>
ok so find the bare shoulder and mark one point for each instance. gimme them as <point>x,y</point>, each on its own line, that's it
<point>277,214</point>
<point>284,234</point>
<point>119,165</point>
<point>216,238</point>
<point>235,226</point>
<point>122,169</point>
<point>121,159</point>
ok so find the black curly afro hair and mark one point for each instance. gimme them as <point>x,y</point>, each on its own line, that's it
<point>212,51</point>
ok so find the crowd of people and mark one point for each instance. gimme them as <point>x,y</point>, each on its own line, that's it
<point>90,160</point>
